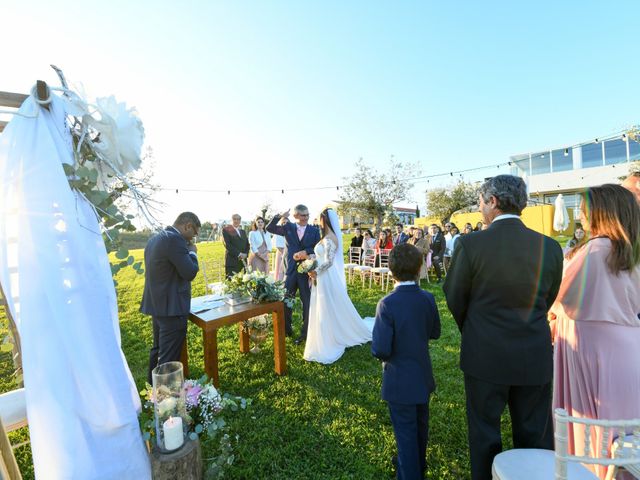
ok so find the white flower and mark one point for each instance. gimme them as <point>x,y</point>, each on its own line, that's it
<point>246,277</point>
<point>121,134</point>
<point>270,280</point>
<point>167,405</point>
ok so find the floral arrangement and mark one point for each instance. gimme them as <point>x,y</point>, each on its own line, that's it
<point>107,141</point>
<point>261,322</point>
<point>260,286</point>
<point>202,409</point>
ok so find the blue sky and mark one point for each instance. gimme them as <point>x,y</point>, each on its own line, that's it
<point>283,94</point>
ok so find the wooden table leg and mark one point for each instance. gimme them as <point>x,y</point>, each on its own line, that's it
<point>210,343</point>
<point>279,350</point>
<point>244,339</point>
<point>184,358</point>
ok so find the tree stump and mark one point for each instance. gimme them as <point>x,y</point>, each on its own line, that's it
<point>185,463</point>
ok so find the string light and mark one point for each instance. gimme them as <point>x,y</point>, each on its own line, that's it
<point>337,187</point>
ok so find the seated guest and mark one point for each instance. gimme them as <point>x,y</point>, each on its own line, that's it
<point>384,242</point>
<point>400,237</point>
<point>260,244</point>
<point>368,241</point>
<point>467,229</point>
<point>356,241</point>
<point>422,244</point>
<point>594,319</point>
<point>479,227</point>
<point>406,320</point>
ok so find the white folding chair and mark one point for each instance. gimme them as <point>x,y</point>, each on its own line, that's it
<point>368,263</point>
<point>13,409</point>
<point>213,274</point>
<point>537,464</point>
<point>382,271</point>
<point>354,260</point>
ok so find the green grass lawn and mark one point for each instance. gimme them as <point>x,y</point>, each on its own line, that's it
<point>317,421</point>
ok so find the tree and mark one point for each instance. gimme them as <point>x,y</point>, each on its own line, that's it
<point>371,194</point>
<point>444,202</point>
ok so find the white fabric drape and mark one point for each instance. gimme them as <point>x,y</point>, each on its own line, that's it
<point>560,215</point>
<point>81,399</point>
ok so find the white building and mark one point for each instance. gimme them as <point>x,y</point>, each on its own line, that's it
<point>567,170</point>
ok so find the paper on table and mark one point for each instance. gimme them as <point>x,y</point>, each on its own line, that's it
<point>208,302</point>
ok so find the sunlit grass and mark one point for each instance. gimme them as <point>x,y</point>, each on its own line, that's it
<point>317,422</point>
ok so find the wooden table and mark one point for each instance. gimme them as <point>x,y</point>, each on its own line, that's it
<point>211,320</point>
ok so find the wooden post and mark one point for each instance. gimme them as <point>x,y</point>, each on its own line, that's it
<point>13,328</point>
<point>210,346</point>
<point>185,463</point>
<point>279,349</point>
<point>244,339</point>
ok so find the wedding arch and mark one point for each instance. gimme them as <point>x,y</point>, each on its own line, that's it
<point>59,294</point>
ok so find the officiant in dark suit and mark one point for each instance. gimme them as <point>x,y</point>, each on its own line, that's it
<point>170,264</point>
<point>501,284</point>
<point>236,244</point>
<point>300,239</point>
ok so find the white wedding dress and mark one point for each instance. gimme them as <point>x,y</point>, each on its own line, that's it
<point>334,323</point>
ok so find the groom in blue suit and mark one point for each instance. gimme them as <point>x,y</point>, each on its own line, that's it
<point>300,239</point>
<point>405,321</point>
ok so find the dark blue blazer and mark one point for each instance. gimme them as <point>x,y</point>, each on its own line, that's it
<point>292,244</point>
<point>405,321</point>
<point>168,271</point>
<point>400,239</point>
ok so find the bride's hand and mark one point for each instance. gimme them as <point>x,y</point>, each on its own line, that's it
<point>313,274</point>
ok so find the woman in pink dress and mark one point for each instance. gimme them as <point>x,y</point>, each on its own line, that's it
<point>594,319</point>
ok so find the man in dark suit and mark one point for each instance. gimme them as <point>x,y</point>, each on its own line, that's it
<point>405,321</point>
<point>501,284</point>
<point>170,263</point>
<point>400,237</point>
<point>236,244</point>
<point>438,247</point>
<point>300,238</point>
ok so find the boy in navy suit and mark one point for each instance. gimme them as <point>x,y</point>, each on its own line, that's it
<point>405,321</point>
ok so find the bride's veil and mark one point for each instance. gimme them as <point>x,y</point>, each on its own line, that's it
<point>338,261</point>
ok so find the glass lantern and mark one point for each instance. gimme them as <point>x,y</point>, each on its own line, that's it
<point>169,406</point>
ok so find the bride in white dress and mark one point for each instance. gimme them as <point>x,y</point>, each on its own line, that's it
<point>334,323</point>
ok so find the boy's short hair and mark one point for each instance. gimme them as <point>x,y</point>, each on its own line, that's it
<point>405,262</point>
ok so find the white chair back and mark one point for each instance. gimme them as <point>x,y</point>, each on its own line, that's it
<point>627,454</point>
<point>355,255</point>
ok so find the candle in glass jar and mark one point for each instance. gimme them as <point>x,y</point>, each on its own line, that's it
<point>173,435</point>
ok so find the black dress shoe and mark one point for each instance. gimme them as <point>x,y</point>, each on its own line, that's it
<point>299,340</point>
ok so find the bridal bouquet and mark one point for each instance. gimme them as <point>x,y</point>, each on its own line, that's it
<point>308,265</point>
